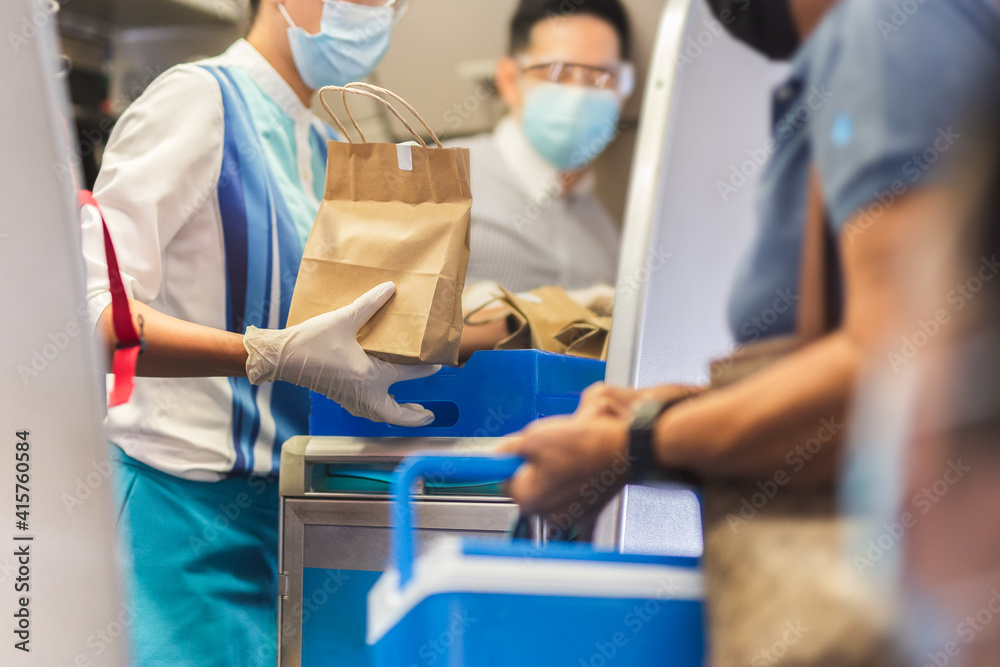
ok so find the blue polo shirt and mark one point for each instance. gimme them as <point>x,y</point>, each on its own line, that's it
<point>881,94</point>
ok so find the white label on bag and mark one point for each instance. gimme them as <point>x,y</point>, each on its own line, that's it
<point>405,156</point>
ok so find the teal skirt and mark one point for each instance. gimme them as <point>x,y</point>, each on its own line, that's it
<point>200,562</point>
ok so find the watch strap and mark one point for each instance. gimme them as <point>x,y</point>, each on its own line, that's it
<point>641,446</point>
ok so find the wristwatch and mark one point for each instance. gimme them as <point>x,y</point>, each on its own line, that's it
<point>641,450</point>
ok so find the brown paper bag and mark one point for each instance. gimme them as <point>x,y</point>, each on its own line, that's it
<point>548,319</point>
<point>587,338</point>
<point>398,213</point>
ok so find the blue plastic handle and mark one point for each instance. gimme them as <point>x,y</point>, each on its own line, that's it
<point>440,467</point>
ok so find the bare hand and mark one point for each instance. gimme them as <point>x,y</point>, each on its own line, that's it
<point>609,401</point>
<point>574,465</point>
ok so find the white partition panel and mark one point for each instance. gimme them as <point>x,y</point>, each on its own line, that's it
<point>59,590</point>
<point>702,138</point>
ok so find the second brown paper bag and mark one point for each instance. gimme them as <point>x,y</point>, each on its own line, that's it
<point>398,213</point>
<point>548,319</point>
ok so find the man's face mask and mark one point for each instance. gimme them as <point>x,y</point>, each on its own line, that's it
<point>570,125</point>
<point>765,26</point>
<point>571,111</point>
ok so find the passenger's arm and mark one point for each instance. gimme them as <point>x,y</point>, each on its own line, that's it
<point>485,336</point>
<point>758,426</point>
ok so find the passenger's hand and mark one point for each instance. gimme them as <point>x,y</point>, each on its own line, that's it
<point>323,354</point>
<point>479,294</point>
<point>607,400</point>
<point>574,465</point>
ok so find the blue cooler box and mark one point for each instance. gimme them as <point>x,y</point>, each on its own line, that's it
<point>495,604</point>
<point>495,393</point>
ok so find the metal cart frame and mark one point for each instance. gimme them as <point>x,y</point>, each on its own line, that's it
<point>351,530</point>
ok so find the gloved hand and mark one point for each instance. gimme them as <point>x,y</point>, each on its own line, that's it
<point>323,354</point>
<point>599,298</point>
<point>478,295</point>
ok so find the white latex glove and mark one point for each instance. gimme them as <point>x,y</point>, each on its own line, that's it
<point>599,298</point>
<point>323,354</point>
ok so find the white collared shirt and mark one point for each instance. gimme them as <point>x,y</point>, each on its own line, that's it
<point>526,232</point>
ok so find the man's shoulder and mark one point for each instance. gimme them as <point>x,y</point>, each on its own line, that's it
<point>876,31</point>
<point>476,143</point>
<point>485,158</point>
<point>898,73</point>
<point>909,66</point>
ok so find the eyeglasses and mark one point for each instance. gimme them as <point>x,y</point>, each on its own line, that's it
<point>398,7</point>
<point>619,78</point>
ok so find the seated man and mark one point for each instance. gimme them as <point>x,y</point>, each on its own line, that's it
<point>535,221</point>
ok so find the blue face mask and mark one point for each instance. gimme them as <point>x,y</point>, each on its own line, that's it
<point>570,125</point>
<point>351,43</point>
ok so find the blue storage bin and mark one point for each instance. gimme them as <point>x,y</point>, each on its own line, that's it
<point>495,393</point>
<point>491,604</point>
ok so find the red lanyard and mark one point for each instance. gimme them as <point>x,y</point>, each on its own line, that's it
<point>130,342</point>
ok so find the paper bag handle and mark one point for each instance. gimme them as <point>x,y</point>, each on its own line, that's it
<point>409,107</point>
<point>467,318</point>
<point>369,90</point>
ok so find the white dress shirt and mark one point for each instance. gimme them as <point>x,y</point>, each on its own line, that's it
<point>526,232</point>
